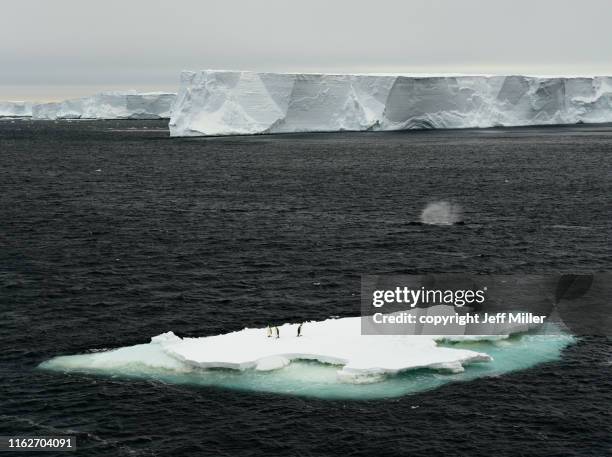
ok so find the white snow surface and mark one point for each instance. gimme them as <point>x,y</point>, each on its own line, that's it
<point>333,341</point>
<point>15,109</point>
<point>109,105</point>
<point>216,102</point>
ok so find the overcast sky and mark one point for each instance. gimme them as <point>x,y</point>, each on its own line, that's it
<point>51,49</point>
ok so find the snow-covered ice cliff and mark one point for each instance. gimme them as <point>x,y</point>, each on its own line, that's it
<point>15,109</point>
<point>215,102</point>
<point>109,105</point>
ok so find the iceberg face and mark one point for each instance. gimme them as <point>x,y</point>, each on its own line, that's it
<point>15,109</point>
<point>214,102</point>
<point>330,360</point>
<point>109,105</point>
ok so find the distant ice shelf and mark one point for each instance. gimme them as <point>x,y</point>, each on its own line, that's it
<point>332,359</point>
<point>108,105</point>
<point>15,109</point>
<point>213,102</point>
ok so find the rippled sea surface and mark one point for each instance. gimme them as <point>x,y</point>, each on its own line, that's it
<point>111,233</point>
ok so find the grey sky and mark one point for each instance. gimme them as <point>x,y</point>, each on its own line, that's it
<point>56,48</point>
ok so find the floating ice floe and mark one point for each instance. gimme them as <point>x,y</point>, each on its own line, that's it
<point>332,359</point>
<point>213,102</point>
<point>333,341</point>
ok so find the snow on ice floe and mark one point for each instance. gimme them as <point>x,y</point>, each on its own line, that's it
<point>213,102</point>
<point>332,359</point>
<point>15,109</point>
<point>333,341</point>
<point>109,105</point>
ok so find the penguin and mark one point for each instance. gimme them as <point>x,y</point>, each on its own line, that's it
<point>299,329</point>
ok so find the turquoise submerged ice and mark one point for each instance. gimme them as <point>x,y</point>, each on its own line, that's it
<point>345,370</point>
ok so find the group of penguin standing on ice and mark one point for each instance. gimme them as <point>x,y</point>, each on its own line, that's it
<point>274,330</point>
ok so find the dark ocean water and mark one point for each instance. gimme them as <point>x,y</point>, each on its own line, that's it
<point>111,233</point>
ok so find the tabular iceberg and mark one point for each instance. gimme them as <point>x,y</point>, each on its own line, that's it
<point>333,341</point>
<point>109,105</point>
<point>213,102</point>
<point>15,109</point>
